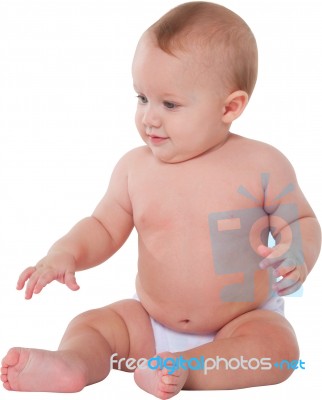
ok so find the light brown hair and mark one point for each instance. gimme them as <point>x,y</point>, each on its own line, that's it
<point>224,38</point>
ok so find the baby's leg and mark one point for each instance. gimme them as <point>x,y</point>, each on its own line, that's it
<point>255,335</point>
<point>83,357</point>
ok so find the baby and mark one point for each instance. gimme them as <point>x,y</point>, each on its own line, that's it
<point>203,201</point>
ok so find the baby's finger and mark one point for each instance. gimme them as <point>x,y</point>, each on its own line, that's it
<point>32,282</point>
<point>291,289</point>
<point>264,251</point>
<point>291,279</point>
<point>24,276</point>
<point>30,285</point>
<point>270,263</point>
<point>70,281</point>
<point>43,280</point>
<point>37,282</point>
<point>273,256</point>
<point>283,270</point>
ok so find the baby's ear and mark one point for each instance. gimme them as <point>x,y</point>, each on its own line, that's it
<point>234,106</point>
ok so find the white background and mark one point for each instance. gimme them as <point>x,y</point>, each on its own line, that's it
<point>66,117</point>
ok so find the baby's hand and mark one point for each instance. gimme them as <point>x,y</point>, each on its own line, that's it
<point>55,266</point>
<point>287,265</point>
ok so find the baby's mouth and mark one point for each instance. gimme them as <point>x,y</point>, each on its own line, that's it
<point>153,139</point>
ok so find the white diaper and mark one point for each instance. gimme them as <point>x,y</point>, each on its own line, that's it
<point>169,340</point>
<point>274,303</point>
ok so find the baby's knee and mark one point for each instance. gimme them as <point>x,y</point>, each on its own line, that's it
<point>98,319</point>
<point>286,359</point>
<point>85,318</point>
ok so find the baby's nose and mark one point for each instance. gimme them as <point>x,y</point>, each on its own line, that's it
<point>151,117</point>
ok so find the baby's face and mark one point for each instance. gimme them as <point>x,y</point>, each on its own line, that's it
<point>180,106</point>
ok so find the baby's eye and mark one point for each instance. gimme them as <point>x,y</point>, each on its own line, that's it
<point>142,99</point>
<point>169,105</point>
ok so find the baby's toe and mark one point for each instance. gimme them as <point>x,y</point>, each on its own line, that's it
<point>12,358</point>
<point>165,392</point>
<point>170,380</point>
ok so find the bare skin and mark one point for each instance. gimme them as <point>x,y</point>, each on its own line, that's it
<point>167,190</point>
<point>160,382</point>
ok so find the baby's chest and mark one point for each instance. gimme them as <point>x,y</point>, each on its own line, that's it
<point>181,203</point>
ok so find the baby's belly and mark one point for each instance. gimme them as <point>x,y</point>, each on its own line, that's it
<point>194,296</point>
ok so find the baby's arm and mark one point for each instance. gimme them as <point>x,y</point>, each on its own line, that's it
<point>90,242</point>
<point>294,226</point>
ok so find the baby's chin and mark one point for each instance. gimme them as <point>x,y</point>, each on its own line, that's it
<point>171,157</point>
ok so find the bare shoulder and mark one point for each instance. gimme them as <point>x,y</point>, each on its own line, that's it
<point>118,185</point>
<point>132,159</point>
<point>137,154</point>
<point>268,169</point>
<point>135,157</point>
<point>262,156</point>
<point>252,146</point>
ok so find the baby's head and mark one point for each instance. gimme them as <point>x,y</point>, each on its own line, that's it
<point>194,71</point>
<point>222,40</point>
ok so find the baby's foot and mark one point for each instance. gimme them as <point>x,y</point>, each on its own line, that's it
<point>32,370</point>
<point>160,382</point>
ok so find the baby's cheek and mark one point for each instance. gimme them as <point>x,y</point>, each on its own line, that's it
<point>137,124</point>
<point>140,129</point>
